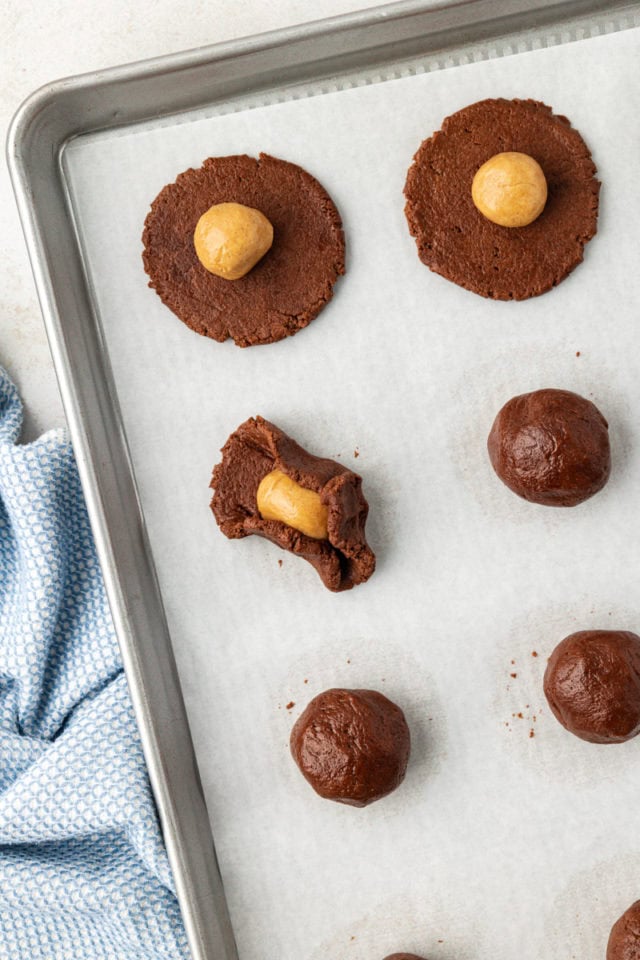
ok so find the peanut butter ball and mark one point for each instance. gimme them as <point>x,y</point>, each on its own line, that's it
<point>281,498</point>
<point>592,684</point>
<point>230,239</point>
<point>352,746</point>
<point>510,189</point>
<point>551,447</point>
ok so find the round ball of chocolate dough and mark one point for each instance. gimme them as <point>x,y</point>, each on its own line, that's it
<point>624,939</point>
<point>352,745</point>
<point>592,683</point>
<point>403,956</point>
<point>551,447</point>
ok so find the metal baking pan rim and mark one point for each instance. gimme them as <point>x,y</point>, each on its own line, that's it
<point>41,128</point>
<point>66,110</point>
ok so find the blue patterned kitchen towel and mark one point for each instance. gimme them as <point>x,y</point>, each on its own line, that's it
<point>83,871</point>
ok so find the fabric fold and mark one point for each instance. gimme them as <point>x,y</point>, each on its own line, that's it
<point>83,869</point>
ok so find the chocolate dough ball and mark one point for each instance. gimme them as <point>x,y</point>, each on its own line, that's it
<point>624,939</point>
<point>403,956</point>
<point>592,683</point>
<point>352,745</point>
<point>551,447</point>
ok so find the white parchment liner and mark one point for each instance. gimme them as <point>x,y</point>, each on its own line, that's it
<point>499,844</point>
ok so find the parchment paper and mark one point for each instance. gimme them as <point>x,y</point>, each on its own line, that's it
<point>509,837</point>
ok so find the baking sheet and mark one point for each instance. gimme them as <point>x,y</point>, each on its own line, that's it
<point>498,843</point>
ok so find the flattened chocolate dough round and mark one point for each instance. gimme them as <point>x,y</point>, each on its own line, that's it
<point>286,289</point>
<point>551,447</point>
<point>352,746</point>
<point>592,683</point>
<point>624,939</point>
<point>455,240</point>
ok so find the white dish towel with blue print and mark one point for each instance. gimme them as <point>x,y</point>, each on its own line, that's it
<point>83,871</point>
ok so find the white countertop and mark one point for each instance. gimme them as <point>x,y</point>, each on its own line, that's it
<point>44,40</point>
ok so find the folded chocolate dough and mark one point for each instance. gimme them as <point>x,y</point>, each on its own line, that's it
<point>257,448</point>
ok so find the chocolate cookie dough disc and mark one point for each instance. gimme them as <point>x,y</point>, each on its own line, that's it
<point>592,683</point>
<point>286,289</point>
<point>624,939</point>
<point>551,447</point>
<point>352,746</point>
<point>455,240</point>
